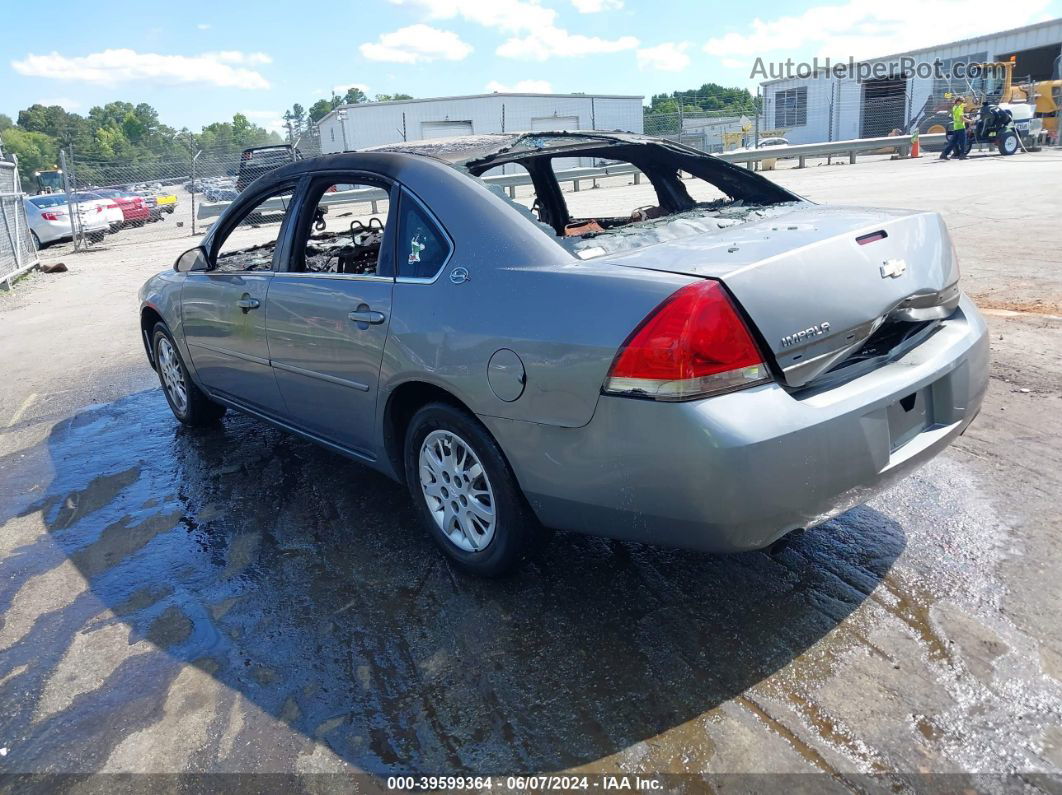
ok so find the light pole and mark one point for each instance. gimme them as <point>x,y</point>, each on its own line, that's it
<point>342,116</point>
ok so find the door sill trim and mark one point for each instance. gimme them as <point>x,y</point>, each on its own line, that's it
<point>285,426</point>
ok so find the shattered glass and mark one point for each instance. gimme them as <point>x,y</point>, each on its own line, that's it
<point>705,219</point>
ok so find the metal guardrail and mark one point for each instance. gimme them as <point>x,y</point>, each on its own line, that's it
<point>899,144</point>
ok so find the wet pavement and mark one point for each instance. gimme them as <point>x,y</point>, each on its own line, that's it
<point>235,599</point>
<point>205,577</point>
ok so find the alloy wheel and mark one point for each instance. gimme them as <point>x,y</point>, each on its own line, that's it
<point>457,490</point>
<point>172,374</point>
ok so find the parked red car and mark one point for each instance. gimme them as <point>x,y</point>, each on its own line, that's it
<point>134,209</point>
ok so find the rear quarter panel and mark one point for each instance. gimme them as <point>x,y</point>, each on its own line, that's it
<point>564,318</point>
<point>564,322</point>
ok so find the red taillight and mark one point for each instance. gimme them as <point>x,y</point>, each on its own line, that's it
<point>53,216</point>
<point>112,206</point>
<point>692,345</point>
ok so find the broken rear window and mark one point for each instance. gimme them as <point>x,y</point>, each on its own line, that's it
<point>650,192</point>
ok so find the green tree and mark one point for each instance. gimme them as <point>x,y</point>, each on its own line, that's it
<point>35,151</point>
<point>320,109</point>
<point>354,96</point>
<point>392,97</point>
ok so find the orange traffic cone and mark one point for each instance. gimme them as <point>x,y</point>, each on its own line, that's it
<point>914,145</point>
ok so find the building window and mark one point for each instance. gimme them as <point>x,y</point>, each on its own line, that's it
<point>791,107</point>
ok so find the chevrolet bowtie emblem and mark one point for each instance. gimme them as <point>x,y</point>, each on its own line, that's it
<point>893,268</point>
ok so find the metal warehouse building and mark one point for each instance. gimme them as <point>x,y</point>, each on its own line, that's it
<point>351,127</point>
<point>824,107</point>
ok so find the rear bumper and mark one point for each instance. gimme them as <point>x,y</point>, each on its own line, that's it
<point>738,471</point>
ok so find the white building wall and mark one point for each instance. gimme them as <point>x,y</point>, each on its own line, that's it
<point>849,101</point>
<point>817,127</point>
<point>373,124</point>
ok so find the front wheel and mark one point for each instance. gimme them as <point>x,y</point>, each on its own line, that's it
<point>465,493</point>
<point>187,401</point>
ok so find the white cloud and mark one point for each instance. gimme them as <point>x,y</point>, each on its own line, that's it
<point>235,56</point>
<point>203,26</point>
<point>507,15</point>
<point>550,42</point>
<point>415,44</point>
<point>594,6</point>
<point>538,37</point>
<point>666,57</point>
<point>865,29</point>
<point>111,67</point>
<point>521,87</point>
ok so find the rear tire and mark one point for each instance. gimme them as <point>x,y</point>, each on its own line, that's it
<point>1008,143</point>
<point>188,402</point>
<point>36,240</point>
<point>465,493</point>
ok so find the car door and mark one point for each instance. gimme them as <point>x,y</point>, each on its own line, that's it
<point>223,308</point>
<point>329,311</point>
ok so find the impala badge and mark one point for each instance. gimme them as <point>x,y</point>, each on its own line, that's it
<point>893,268</point>
<point>804,335</point>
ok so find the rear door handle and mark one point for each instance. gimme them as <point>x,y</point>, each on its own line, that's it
<point>247,302</point>
<point>367,316</point>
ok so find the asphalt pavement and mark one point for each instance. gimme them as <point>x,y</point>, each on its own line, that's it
<point>238,600</point>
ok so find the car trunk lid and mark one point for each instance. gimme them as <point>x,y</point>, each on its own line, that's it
<point>818,282</point>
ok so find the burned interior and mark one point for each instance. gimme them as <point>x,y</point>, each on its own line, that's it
<point>676,210</point>
<point>335,238</point>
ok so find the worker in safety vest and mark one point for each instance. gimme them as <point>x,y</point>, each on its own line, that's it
<point>957,134</point>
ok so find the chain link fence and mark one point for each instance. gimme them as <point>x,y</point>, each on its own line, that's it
<point>17,252</point>
<point>159,199</point>
<point>792,116</point>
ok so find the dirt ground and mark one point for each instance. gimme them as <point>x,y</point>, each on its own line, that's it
<point>240,600</point>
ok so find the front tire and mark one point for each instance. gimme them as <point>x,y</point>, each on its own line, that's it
<point>466,494</point>
<point>188,402</point>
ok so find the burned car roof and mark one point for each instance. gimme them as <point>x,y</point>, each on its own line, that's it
<point>475,149</point>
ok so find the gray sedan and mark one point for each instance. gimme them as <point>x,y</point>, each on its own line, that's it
<point>694,357</point>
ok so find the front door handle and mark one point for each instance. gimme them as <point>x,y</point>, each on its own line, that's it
<point>367,316</point>
<point>246,302</point>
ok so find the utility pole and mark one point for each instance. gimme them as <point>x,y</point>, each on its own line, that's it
<point>756,138</point>
<point>71,209</point>
<point>195,157</point>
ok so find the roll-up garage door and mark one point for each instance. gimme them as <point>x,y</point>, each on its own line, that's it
<point>565,123</point>
<point>555,123</point>
<point>444,129</point>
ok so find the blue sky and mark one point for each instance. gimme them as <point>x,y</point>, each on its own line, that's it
<point>198,66</point>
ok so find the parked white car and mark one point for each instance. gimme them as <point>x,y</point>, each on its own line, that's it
<point>49,219</point>
<point>111,211</point>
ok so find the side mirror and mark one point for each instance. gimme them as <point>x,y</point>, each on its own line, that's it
<point>194,259</point>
